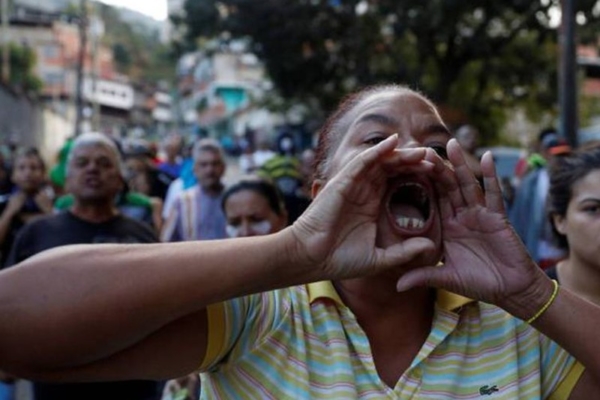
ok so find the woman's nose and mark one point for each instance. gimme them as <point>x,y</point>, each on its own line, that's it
<point>246,229</point>
<point>408,142</point>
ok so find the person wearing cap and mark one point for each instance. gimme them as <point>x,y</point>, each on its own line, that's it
<point>527,213</point>
<point>139,161</point>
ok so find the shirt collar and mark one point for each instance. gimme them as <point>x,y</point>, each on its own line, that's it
<point>325,290</point>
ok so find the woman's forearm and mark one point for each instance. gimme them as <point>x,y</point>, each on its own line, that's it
<point>78,304</point>
<point>574,323</point>
<point>570,320</point>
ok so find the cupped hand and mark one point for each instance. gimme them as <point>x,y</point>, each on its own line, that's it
<point>484,259</point>
<point>337,232</point>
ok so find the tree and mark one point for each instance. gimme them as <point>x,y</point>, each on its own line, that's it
<point>137,50</point>
<point>122,56</point>
<point>22,64</point>
<point>477,59</point>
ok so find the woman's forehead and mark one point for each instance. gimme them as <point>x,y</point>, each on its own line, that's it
<point>391,104</point>
<point>248,200</point>
<point>249,195</point>
<point>398,111</point>
<point>590,182</point>
<point>396,102</point>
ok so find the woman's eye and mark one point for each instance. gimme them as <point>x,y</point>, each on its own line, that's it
<point>592,209</point>
<point>441,151</point>
<point>373,140</point>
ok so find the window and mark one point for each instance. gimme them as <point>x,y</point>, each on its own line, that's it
<point>51,51</point>
<point>53,78</point>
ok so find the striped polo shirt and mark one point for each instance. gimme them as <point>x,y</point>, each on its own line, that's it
<point>304,343</point>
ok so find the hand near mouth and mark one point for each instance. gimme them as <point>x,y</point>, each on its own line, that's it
<point>483,257</point>
<point>338,231</point>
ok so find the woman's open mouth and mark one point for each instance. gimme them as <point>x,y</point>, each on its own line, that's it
<point>409,207</point>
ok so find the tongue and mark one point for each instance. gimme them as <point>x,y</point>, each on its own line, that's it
<point>407,211</point>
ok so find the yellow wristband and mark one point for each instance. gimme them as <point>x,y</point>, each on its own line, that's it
<point>548,303</point>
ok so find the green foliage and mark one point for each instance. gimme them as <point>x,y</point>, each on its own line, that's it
<point>137,51</point>
<point>588,108</point>
<point>122,56</point>
<point>161,64</point>
<point>587,31</point>
<point>22,64</point>
<point>476,59</point>
<point>72,10</point>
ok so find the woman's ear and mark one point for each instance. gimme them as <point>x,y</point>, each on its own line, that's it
<point>316,187</point>
<point>559,223</point>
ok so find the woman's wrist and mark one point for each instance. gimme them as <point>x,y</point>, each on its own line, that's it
<point>546,305</point>
<point>296,255</point>
<point>533,301</point>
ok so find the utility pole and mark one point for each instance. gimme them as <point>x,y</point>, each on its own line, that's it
<point>5,43</point>
<point>567,90</point>
<point>96,31</point>
<point>81,66</point>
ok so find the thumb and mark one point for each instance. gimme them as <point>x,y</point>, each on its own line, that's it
<point>403,253</point>
<point>425,276</point>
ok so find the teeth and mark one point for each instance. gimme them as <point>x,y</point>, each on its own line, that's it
<point>410,223</point>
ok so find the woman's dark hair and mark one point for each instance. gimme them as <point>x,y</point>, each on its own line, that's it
<point>260,186</point>
<point>336,125</point>
<point>27,152</point>
<point>565,171</point>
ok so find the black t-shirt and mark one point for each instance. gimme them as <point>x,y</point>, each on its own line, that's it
<point>65,229</point>
<point>159,183</point>
<point>29,208</point>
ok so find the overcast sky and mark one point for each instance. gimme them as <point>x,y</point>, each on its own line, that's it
<point>154,8</point>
